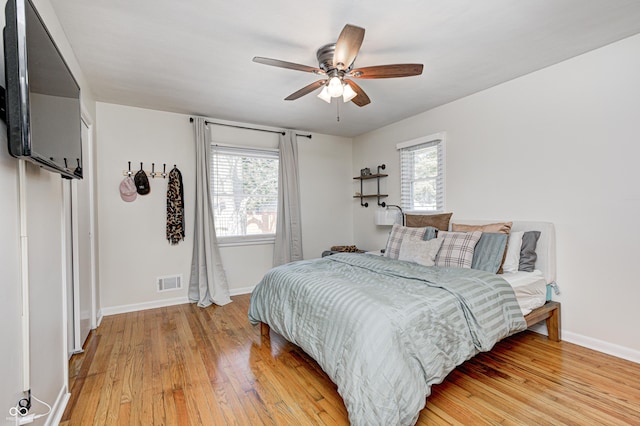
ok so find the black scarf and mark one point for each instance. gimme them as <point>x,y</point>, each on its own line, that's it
<point>175,207</point>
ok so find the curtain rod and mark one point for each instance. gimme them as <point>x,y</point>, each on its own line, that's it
<point>248,128</point>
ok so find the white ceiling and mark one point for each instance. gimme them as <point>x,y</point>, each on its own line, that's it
<point>195,56</point>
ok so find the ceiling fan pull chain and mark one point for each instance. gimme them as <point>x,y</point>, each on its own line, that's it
<point>338,111</point>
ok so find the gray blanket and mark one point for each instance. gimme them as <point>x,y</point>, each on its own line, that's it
<point>385,330</point>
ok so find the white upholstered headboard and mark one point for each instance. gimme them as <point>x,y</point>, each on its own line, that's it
<point>545,249</point>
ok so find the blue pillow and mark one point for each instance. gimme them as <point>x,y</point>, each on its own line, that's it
<point>489,252</point>
<point>430,233</point>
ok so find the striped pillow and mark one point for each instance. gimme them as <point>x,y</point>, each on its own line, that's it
<point>394,242</point>
<point>457,248</point>
<point>489,252</point>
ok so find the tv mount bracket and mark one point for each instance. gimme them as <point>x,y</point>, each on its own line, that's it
<point>3,105</point>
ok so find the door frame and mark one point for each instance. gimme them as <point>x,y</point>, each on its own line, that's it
<point>90,175</point>
<point>74,310</point>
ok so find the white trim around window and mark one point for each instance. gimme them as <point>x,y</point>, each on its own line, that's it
<point>411,181</point>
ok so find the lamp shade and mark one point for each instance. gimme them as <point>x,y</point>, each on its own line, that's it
<point>324,95</point>
<point>386,217</point>
<point>334,87</point>
<point>348,93</point>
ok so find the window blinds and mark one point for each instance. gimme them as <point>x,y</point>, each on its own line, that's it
<point>244,190</point>
<point>422,174</point>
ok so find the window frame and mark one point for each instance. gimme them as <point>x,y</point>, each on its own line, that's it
<point>438,140</point>
<point>252,239</point>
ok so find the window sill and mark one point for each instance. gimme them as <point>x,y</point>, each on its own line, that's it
<point>245,241</point>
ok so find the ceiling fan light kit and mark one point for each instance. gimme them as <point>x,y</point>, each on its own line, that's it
<point>335,62</point>
<point>324,95</point>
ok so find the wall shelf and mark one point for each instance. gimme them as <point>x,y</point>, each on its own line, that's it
<point>377,195</point>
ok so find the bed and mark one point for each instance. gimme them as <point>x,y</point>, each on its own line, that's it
<point>385,330</point>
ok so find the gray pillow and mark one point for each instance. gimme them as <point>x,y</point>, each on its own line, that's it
<point>489,252</point>
<point>528,254</point>
<point>430,233</point>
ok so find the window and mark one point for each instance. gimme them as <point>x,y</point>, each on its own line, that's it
<point>422,174</point>
<point>244,193</point>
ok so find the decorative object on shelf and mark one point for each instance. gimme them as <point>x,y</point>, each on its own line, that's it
<point>365,172</point>
<point>362,178</point>
<point>386,217</point>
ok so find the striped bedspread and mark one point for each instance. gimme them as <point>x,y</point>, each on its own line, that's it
<point>385,330</point>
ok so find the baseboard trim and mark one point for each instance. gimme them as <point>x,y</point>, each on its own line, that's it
<point>602,346</point>
<point>57,409</point>
<point>595,344</point>
<point>134,307</point>
<point>243,290</point>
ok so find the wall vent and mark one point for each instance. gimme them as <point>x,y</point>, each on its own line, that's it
<point>169,283</point>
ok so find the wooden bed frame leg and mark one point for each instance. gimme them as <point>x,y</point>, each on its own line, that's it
<point>553,325</point>
<point>550,313</point>
<point>264,330</point>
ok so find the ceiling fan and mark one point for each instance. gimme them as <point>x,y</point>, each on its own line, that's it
<point>335,64</point>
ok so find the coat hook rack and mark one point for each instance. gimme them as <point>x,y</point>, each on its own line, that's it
<point>152,174</point>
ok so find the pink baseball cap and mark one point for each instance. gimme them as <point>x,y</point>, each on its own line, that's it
<point>128,190</point>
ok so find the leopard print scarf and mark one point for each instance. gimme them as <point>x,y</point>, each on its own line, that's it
<point>175,207</point>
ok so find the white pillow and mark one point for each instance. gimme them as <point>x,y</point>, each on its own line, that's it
<point>419,251</point>
<point>512,259</point>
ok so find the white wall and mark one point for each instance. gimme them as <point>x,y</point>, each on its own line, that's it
<point>44,208</point>
<point>133,248</point>
<point>10,295</point>
<point>558,145</point>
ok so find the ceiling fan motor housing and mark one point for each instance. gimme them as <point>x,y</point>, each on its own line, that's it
<point>325,61</point>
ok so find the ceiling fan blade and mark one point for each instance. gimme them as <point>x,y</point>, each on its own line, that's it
<point>361,99</point>
<point>387,71</point>
<point>288,65</point>
<point>347,46</point>
<point>305,90</point>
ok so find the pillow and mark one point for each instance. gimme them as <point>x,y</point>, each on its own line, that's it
<point>502,227</point>
<point>430,233</point>
<point>489,252</point>
<point>528,254</point>
<point>512,259</point>
<point>419,251</point>
<point>457,248</point>
<point>439,221</point>
<point>398,233</point>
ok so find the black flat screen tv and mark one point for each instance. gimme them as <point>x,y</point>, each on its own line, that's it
<point>42,96</point>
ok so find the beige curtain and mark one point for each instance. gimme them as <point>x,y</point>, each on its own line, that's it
<point>208,282</point>
<point>288,243</point>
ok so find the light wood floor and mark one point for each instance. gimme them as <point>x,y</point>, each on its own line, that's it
<point>184,365</point>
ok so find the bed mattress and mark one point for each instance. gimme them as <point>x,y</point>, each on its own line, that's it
<point>530,289</point>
